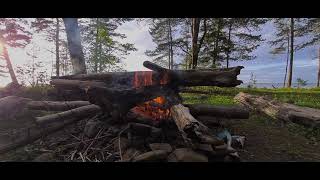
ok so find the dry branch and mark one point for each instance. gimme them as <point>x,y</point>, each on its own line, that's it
<point>192,128</point>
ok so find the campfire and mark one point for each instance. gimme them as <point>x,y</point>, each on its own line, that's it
<point>142,115</point>
<point>155,109</point>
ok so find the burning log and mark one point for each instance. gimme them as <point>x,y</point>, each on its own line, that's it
<point>232,112</point>
<point>192,129</point>
<point>79,113</point>
<point>283,111</point>
<point>224,77</point>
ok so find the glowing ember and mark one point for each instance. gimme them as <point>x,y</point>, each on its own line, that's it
<point>155,108</point>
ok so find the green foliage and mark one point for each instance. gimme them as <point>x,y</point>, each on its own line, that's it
<point>231,39</point>
<point>102,48</point>
<point>297,96</point>
<point>301,82</point>
<point>163,31</point>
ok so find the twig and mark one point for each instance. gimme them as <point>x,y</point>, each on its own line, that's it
<point>119,140</point>
<point>72,155</point>
<point>83,160</point>
<point>102,129</point>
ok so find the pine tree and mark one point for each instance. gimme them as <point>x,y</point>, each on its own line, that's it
<point>52,27</point>
<point>163,32</point>
<point>288,30</point>
<point>102,48</point>
<point>13,34</point>
<point>231,39</point>
<point>312,29</point>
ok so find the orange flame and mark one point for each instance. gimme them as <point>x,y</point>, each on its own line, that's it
<point>151,108</point>
<point>144,78</point>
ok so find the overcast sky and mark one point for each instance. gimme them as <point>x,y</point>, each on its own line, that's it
<point>266,68</point>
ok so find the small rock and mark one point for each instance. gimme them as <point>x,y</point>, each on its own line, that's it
<point>204,147</point>
<point>92,128</point>
<point>161,146</point>
<point>238,141</point>
<point>45,157</point>
<point>130,153</point>
<point>151,156</point>
<point>124,143</point>
<point>186,155</point>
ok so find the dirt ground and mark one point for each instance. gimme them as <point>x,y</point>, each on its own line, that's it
<point>266,140</point>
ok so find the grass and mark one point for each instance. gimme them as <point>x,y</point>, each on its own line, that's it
<point>224,96</point>
<point>300,97</point>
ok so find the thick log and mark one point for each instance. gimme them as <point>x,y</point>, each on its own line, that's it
<point>76,84</point>
<point>232,112</point>
<point>79,113</point>
<point>224,77</point>
<point>308,117</point>
<point>56,105</point>
<point>212,121</point>
<point>191,129</point>
<point>34,133</point>
<point>12,106</point>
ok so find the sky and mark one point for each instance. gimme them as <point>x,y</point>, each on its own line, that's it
<point>266,68</point>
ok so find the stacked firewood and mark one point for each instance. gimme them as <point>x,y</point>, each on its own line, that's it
<point>190,133</point>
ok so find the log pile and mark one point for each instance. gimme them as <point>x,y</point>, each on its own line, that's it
<point>285,112</point>
<point>189,133</point>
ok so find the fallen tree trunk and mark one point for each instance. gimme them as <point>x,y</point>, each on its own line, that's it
<point>192,130</point>
<point>56,105</point>
<point>232,112</point>
<point>34,133</point>
<point>80,112</point>
<point>308,117</point>
<point>224,77</point>
<point>11,106</point>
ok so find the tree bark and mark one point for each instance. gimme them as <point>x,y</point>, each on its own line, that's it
<point>229,45</point>
<point>192,130</point>
<point>305,116</point>
<point>318,82</point>
<point>34,133</point>
<point>79,113</point>
<point>288,54</point>
<point>74,45</point>
<point>195,34</point>
<point>291,52</point>
<point>216,44</point>
<point>224,77</point>
<point>57,48</point>
<point>171,49</point>
<point>56,105</point>
<point>8,61</point>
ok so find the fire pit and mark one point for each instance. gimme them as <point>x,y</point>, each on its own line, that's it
<point>145,115</point>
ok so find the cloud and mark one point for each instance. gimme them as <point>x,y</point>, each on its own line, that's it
<point>138,35</point>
